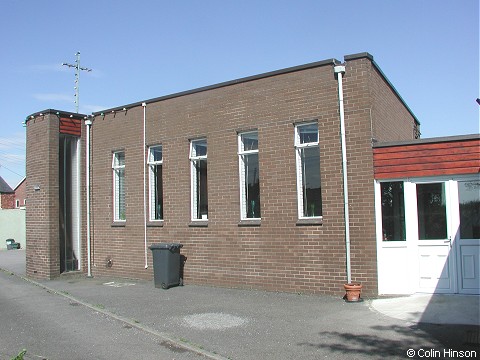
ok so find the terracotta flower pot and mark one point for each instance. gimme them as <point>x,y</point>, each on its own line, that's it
<point>352,291</point>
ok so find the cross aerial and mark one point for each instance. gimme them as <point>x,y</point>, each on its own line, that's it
<point>77,77</point>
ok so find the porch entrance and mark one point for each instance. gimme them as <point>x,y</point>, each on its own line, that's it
<point>429,235</point>
<point>436,256</point>
<point>69,201</point>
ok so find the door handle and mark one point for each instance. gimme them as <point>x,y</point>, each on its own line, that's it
<point>449,241</point>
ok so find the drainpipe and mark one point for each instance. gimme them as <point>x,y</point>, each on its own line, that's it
<point>145,181</point>
<point>340,70</point>
<point>88,124</point>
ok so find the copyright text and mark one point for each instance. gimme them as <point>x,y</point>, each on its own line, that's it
<point>442,354</point>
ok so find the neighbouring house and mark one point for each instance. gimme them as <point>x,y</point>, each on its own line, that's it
<point>20,194</point>
<point>278,181</point>
<point>12,220</point>
<point>7,195</point>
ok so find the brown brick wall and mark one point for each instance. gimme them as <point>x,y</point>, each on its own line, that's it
<point>278,254</point>
<point>7,201</point>
<point>42,213</point>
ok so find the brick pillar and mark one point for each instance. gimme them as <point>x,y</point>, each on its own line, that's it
<point>42,213</point>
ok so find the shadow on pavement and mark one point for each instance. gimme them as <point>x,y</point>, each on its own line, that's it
<point>416,337</point>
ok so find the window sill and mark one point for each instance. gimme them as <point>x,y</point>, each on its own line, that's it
<point>198,223</point>
<point>250,222</point>
<point>312,221</point>
<point>119,224</point>
<point>155,223</point>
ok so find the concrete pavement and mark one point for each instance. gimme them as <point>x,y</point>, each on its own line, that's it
<point>245,324</point>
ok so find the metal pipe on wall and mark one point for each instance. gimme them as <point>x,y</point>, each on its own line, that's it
<point>339,71</point>
<point>88,124</point>
<point>145,154</point>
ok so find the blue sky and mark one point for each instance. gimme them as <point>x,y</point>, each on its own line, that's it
<point>139,50</point>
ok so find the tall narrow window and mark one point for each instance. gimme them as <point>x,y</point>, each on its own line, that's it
<point>393,211</point>
<point>308,171</point>
<point>198,159</point>
<point>118,166</point>
<point>155,162</point>
<point>249,175</point>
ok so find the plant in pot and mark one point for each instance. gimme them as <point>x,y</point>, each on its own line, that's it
<point>352,292</point>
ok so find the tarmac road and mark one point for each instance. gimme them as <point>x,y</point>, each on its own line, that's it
<point>49,326</point>
<point>75,317</point>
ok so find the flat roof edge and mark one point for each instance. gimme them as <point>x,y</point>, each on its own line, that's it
<point>427,140</point>
<point>226,83</point>
<point>56,112</point>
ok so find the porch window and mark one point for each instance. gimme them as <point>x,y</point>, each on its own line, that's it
<point>431,207</point>
<point>249,175</point>
<point>199,193</point>
<point>118,166</point>
<point>393,211</point>
<point>469,203</point>
<point>155,163</point>
<point>309,190</point>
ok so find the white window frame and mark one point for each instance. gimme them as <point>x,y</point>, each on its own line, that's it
<point>298,147</point>
<point>194,180</point>
<point>242,153</point>
<point>116,196</point>
<point>152,163</point>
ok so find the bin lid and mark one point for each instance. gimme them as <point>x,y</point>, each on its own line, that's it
<point>167,246</point>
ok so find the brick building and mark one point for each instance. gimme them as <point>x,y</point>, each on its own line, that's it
<point>7,195</point>
<point>20,194</point>
<point>248,175</point>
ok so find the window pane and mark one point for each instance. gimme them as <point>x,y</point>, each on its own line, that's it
<point>312,194</point>
<point>120,194</point>
<point>252,186</point>
<point>469,203</point>
<point>250,141</point>
<point>156,192</point>
<point>119,159</point>
<point>431,207</point>
<point>156,154</point>
<point>393,211</point>
<point>308,133</point>
<point>199,148</point>
<point>201,189</point>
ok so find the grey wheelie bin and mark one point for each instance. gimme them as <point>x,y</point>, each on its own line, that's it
<point>166,264</point>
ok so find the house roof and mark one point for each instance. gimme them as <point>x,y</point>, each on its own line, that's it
<point>20,183</point>
<point>4,187</point>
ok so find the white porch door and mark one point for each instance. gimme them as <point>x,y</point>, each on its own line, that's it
<point>436,255</point>
<point>448,242</point>
<point>467,239</point>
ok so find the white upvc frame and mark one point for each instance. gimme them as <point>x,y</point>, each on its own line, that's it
<point>152,163</point>
<point>242,153</point>
<point>194,157</point>
<point>299,145</point>
<point>116,168</point>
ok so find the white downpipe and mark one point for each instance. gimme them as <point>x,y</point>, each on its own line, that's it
<point>145,180</point>
<point>340,70</point>
<point>88,124</point>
